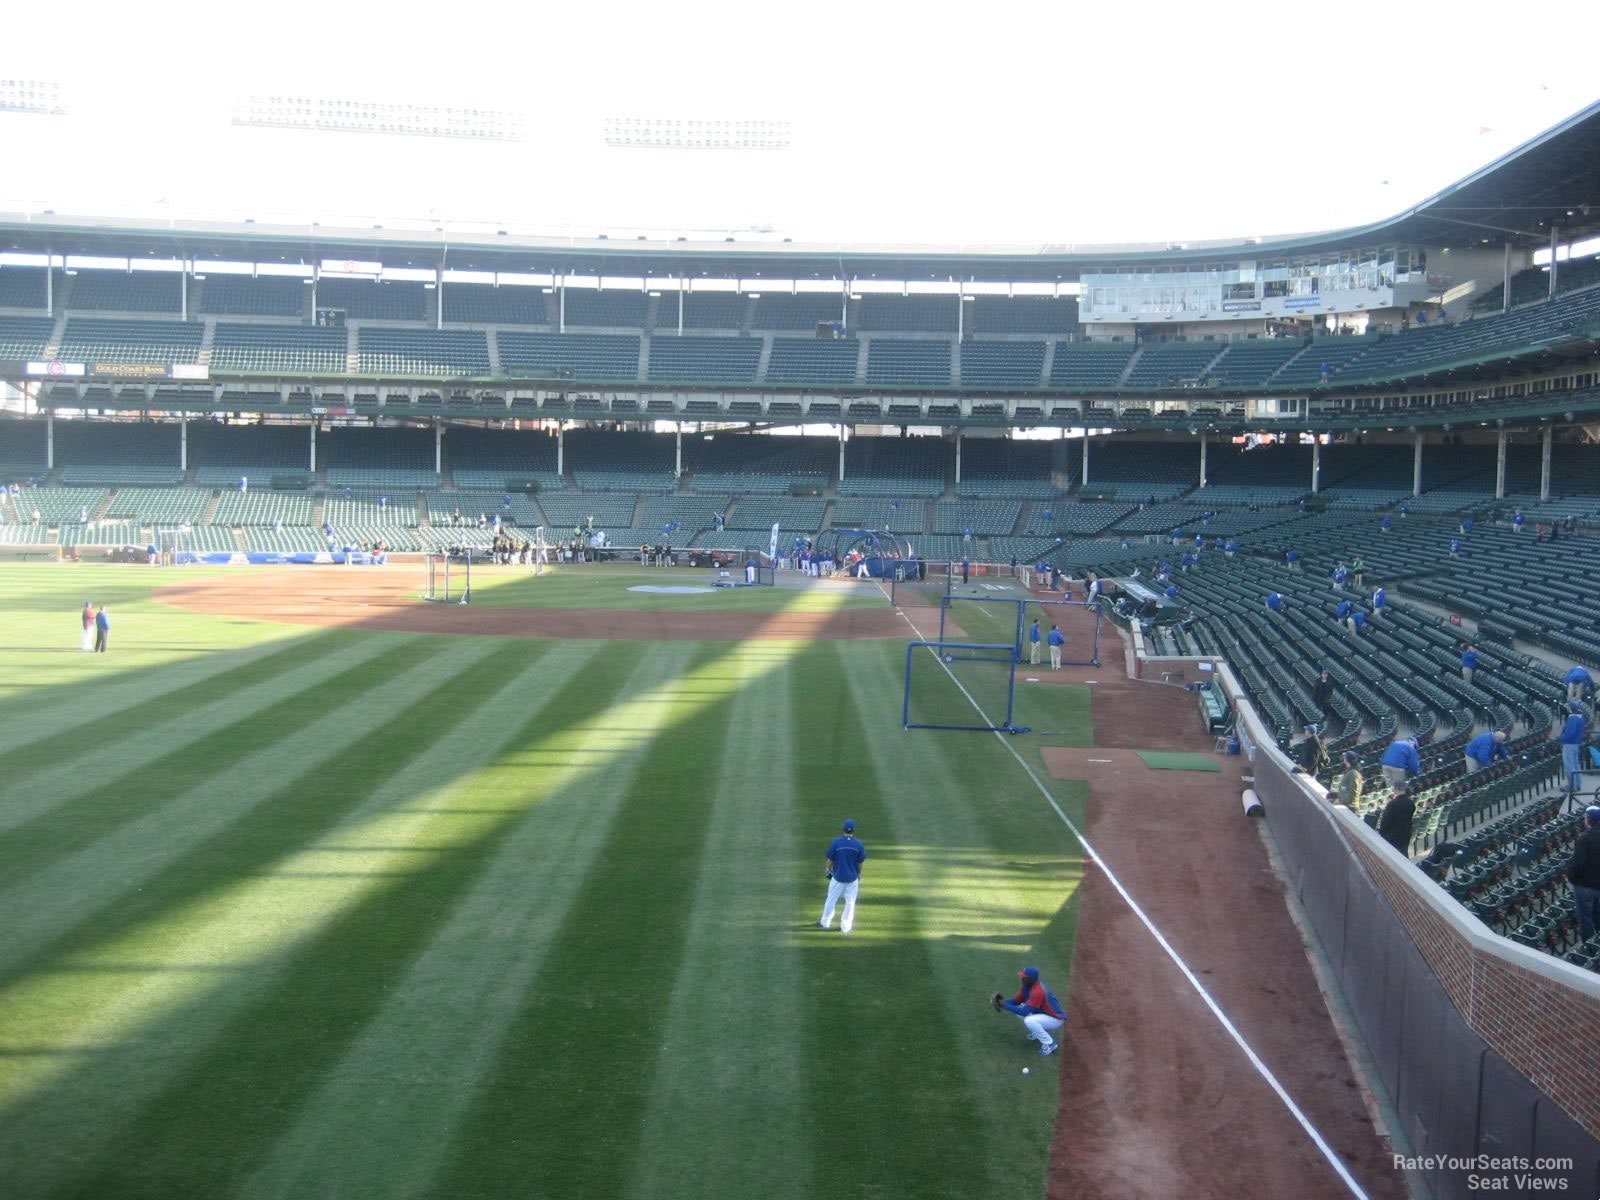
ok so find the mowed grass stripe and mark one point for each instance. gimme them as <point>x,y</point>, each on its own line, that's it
<point>561,1112</point>
<point>162,712</point>
<point>726,1088</point>
<point>993,882</point>
<point>48,682</point>
<point>102,803</point>
<point>385,1113</point>
<point>887,1099</point>
<point>174,846</point>
<point>61,722</point>
<point>231,995</point>
<point>111,777</point>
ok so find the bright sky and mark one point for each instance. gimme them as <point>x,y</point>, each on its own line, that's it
<point>951,124</point>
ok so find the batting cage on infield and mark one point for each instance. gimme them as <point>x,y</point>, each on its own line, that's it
<point>447,578</point>
<point>959,685</point>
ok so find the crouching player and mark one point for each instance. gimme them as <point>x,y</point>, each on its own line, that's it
<point>1038,1008</point>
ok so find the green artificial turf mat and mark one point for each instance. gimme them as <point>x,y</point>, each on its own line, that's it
<point>1177,760</point>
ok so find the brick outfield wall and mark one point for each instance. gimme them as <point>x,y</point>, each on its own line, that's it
<point>1545,1028</point>
<point>1538,1013</point>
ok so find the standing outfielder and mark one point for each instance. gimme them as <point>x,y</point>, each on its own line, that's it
<point>845,856</point>
<point>1038,1008</point>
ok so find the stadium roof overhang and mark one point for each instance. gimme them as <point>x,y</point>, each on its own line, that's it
<point>1552,179</point>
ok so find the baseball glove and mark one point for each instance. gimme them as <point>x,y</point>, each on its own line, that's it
<point>998,1002</point>
<point>827,874</point>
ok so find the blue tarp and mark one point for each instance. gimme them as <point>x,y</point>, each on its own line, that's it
<point>266,558</point>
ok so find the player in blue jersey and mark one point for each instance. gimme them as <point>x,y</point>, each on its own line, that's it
<point>845,856</point>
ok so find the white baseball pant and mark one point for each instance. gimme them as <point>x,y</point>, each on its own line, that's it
<point>1040,1027</point>
<point>848,891</point>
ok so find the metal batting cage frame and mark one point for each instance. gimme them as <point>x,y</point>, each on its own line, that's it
<point>960,686</point>
<point>447,578</point>
<point>873,543</point>
<point>991,611</point>
<point>766,573</point>
<point>173,547</point>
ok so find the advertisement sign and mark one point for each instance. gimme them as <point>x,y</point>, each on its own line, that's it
<point>56,369</point>
<point>1302,301</point>
<point>129,370</point>
<point>1241,306</point>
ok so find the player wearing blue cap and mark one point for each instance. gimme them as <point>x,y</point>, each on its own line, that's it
<point>1583,872</point>
<point>1038,1008</point>
<point>845,856</point>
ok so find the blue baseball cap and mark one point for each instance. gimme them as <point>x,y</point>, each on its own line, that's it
<point>849,826</point>
<point>1028,973</point>
<point>1593,814</point>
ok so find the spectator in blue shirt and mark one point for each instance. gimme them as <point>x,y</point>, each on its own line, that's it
<point>1571,738</point>
<point>1340,574</point>
<point>1231,548</point>
<point>1293,559</point>
<point>1469,663</point>
<point>1057,639</point>
<point>1578,682</point>
<point>1386,524</point>
<point>1380,599</point>
<point>1466,525</point>
<point>1033,642</point>
<point>1275,601</point>
<point>845,856</point>
<point>1172,591</point>
<point>1455,547</point>
<point>1517,521</point>
<point>1486,748</point>
<point>1357,622</point>
<point>1343,611</point>
<point>1400,762</point>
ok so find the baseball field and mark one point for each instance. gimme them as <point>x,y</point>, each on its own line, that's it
<point>313,890</point>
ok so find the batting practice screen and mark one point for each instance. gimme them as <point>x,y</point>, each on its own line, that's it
<point>959,685</point>
<point>995,618</point>
<point>447,580</point>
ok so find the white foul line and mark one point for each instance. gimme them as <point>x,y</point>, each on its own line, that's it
<point>1161,940</point>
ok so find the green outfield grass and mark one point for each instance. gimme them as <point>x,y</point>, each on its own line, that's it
<point>608,586</point>
<point>344,913</point>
